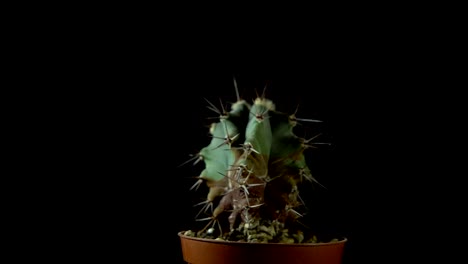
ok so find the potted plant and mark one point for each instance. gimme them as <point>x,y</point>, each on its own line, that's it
<point>255,169</point>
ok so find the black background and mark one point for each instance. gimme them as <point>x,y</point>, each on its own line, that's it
<point>113,100</point>
<point>138,114</point>
<point>143,130</point>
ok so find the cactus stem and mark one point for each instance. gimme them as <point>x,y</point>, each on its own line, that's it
<point>254,165</point>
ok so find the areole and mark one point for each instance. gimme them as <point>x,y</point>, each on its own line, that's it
<point>211,251</point>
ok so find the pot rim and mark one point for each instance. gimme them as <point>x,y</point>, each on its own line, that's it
<point>340,241</point>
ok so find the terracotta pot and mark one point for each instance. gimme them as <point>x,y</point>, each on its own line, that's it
<point>209,251</point>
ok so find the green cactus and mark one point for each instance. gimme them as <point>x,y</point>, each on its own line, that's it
<point>254,165</point>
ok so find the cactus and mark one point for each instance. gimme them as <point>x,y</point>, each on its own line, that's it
<point>254,165</point>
